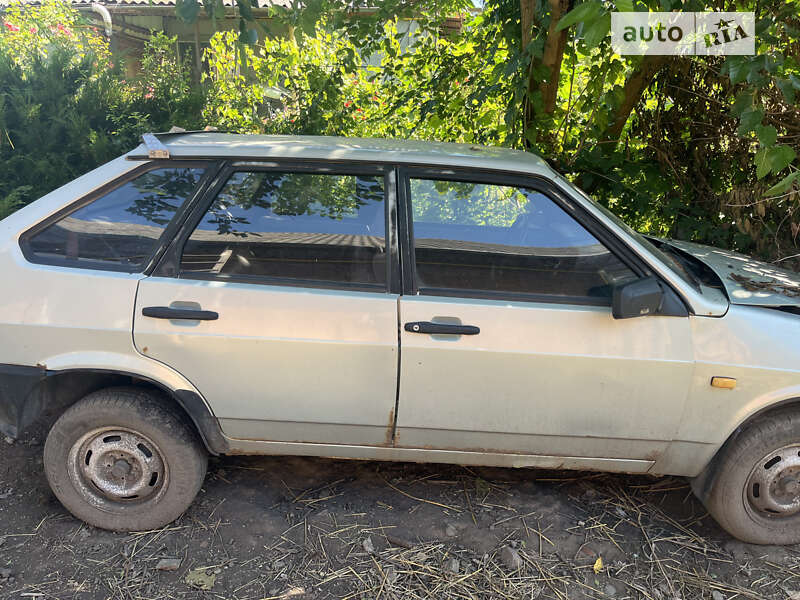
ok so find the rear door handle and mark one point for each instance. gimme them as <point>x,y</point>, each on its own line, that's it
<point>189,314</point>
<point>446,328</point>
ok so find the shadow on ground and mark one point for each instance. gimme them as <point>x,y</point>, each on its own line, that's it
<point>278,527</point>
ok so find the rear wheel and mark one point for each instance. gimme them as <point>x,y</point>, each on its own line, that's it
<point>119,459</point>
<point>754,490</point>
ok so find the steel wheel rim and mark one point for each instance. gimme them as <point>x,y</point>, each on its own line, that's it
<point>773,486</point>
<point>116,466</point>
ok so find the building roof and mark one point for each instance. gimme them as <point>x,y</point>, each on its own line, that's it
<point>209,144</point>
<point>142,3</point>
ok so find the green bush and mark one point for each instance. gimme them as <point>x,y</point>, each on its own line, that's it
<point>66,108</point>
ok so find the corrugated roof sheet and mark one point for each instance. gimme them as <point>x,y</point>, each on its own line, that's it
<point>144,3</point>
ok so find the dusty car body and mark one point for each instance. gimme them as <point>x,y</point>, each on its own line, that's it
<point>436,346</point>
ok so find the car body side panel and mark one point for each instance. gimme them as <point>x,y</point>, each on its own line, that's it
<point>756,346</point>
<point>52,311</point>
<point>48,311</point>
<point>427,455</point>
<point>55,319</point>
<point>281,363</point>
<point>548,379</point>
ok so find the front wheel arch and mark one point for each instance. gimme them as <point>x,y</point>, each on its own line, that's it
<point>751,485</point>
<point>701,484</point>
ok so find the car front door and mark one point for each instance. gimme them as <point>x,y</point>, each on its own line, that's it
<point>275,303</point>
<point>507,339</point>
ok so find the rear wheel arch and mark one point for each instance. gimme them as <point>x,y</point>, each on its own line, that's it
<point>61,389</point>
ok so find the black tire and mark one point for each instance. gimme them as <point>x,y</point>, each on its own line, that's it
<point>119,459</point>
<point>738,488</point>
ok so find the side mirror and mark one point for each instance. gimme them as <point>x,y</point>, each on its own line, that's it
<point>636,298</point>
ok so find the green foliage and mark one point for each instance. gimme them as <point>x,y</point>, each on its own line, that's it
<point>52,67</point>
<point>700,148</point>
<point>587,12</point>
<point>65,108</point>
<point>31,36</point>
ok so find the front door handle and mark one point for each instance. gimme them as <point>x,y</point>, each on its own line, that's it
<point>189,314</point>
<point>446,328</point>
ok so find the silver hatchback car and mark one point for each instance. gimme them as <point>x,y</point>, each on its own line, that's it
<point>389,300</point>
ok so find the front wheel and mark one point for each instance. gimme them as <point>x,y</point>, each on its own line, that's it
<point>754,491</point>
<point>119,459</point>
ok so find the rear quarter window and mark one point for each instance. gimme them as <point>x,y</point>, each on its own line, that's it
<point>120,229</point>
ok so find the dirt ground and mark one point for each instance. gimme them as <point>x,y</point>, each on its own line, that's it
<point>285,528</point>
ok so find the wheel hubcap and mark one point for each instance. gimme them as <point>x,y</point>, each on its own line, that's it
<point>773,487</point>
<point>117,464</point>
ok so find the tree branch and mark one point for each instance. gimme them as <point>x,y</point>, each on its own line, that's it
<point>632,92</point>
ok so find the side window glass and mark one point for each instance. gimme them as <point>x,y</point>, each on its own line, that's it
<point>495,238</point>
<point>293,226</point>
<point>121,227</point>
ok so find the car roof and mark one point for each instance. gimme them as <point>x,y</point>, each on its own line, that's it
<point>231,145</point>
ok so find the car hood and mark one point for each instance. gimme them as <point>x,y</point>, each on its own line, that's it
<point>746,280</point>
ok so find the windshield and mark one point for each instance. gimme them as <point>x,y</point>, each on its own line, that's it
<point>672,261</point>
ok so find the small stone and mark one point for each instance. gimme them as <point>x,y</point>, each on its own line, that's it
<point>200,579</point>
<point>399,541</point>
<point>391,574</point>
<point>717,595</point>
<point>323,515</point>
<point>169,564</point>
<point>9,440</point>
<point>657,593</point>
<point>511,558</point>
<point>5,573</point>
<point>610,590</point>
<point>369,547</point>
<point>453,565</point>
<point>451,531</point>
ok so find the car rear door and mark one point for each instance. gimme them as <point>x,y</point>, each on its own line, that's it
<point>276,301</point>
<point>508,342</point>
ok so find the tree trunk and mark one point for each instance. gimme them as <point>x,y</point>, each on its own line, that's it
<point>632,92</point>
<point>551,59</point>
<point>527,9</point>
<point>553,54</point>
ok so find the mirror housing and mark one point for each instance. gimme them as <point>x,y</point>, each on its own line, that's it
<point>637,298</point>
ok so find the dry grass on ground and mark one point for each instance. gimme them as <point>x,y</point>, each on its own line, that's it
<point>314,528</point>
